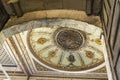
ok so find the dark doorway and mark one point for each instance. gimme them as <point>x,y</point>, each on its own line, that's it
<point>3,16</point>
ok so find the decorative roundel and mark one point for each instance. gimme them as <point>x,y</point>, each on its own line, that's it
<point>69,39</point>
<point>65,48</point>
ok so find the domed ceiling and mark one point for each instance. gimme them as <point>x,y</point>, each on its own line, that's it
<point>57,43</point>
<point>74,47</point>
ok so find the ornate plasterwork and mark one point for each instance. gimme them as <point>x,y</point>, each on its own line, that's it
<point>69,38</point>
<point>35,66</point>
<point>40,67</point>
<point>51,18</point>
<point>43,46</point>
<point>45,40</point>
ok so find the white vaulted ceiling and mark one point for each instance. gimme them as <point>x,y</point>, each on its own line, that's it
<point>89,56</point>
<point>43,44</point>
<point>46,47</point>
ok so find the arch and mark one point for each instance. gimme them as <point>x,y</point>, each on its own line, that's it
<point>12,28</point>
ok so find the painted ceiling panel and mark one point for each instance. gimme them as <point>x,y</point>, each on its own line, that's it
<point>46,44</point>
<point>66,49</point>
<point>57,47</point>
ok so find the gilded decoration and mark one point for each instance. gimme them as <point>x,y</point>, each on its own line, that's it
<point>66,48</point>
<point>101,70</point>
<point>42,40</point>
<point>40,67</point>
<point>69,38</point>
<point>89,54</point>
<point>98,41</point>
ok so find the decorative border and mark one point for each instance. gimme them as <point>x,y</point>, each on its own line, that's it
<point>25,53</point>
<point>17,55</point>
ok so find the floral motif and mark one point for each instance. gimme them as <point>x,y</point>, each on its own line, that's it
<point>89,54</point>
<point>42,40</point>
<point>52,54</point>
<point>98,41</point>
<point>67,49</point>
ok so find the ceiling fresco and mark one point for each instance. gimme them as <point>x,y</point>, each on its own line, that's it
<point>67,48</point>
<point>57,47</point>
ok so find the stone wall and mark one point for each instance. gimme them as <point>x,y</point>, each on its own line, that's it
<point>14,7</point>
<point>35,5</point>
